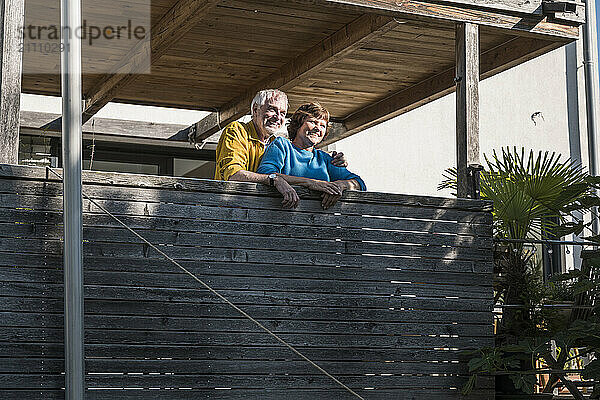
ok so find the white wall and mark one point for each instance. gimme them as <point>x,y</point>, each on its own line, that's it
<point>409,153</point>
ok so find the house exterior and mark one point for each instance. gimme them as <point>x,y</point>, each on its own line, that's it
<point>368,62</point>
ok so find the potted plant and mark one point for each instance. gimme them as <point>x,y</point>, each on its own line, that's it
<point>563,339</point>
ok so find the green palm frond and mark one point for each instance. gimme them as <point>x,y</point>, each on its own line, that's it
<point>529,189</point>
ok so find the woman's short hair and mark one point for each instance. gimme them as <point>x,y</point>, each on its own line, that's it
<point>264,96</point>
<point>307,110</point>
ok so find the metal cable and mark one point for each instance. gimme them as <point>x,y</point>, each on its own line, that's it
<point>219,295</point>
<point>542,241</point>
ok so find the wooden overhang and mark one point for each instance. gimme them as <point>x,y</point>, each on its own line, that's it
<point>366,60</point>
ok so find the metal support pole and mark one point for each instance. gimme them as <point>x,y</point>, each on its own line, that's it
<point>591,93</point>
<point>71,129</point>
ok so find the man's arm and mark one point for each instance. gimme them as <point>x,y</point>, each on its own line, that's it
<point>248,176</point>
<point>232,152</point>
<point>290,197</point>
<point>232,161</point>
<point>332,191</point>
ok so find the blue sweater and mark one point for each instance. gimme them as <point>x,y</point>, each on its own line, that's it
<point>283,157</point>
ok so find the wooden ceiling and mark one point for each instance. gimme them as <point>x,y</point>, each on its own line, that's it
<point>348,60</point>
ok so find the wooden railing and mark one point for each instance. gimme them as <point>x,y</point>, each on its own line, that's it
<point>382,290</point>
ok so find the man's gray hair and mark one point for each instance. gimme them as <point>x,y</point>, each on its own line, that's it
<point>264,96</point>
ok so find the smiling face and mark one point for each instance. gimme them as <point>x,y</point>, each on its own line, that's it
<point>311,132</point>
<point>308,126</point>
<point>269,117</point>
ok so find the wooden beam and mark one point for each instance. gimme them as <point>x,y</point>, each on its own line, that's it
<point>182,17</point>
<point>117,128</point>
<point>11,65</point>
<point>467,107</point>
<point>317,58</point>
<point>515,6</point>
<point>522,17</point>
<point>493,61</point>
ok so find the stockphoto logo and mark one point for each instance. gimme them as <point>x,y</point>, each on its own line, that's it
<point>87,32</point>
<point>115,43</point>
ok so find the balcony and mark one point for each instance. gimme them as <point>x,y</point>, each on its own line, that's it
<point>382,291</point>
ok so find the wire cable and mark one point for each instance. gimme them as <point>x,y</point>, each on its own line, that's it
<point>213,291</point>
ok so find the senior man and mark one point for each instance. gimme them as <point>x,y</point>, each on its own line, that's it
<point>242,145</point>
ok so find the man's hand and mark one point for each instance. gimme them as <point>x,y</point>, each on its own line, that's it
<point>290,197</point>
<point>338,159</point>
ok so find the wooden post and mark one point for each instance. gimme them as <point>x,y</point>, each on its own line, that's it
<point>11,21</point>
<point>467,109</point>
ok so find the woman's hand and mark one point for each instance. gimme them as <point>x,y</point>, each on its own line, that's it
<point>330,188</point>
<point>330,199</point>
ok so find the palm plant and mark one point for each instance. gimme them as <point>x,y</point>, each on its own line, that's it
<point>529,192</point>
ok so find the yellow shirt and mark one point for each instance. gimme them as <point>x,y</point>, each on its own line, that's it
<point>239,149</point>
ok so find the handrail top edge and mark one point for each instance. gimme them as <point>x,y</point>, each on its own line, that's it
<point>34,173</point>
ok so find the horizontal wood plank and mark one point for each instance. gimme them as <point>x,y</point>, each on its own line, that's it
<point>249,394</point>
<point>230,353</point>
<point>263,311</point>
<point>222,235</point>
<point>183,281</point>
<point>221,220</point>
<point>237,381</point>
<point>180,184</point>
<point>215,324</point>
<point>122,336</point>
<point>448,303</point>
<point>236,255</point>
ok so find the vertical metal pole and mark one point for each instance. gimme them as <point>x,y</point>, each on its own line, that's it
<point>573,120</point>
<point>591,93</point>
<point>71,128</point>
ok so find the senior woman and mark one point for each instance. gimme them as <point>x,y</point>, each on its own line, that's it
<point>297,157</point>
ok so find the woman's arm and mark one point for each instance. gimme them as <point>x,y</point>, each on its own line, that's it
<point>332,191</point>
<point>348,184</point>
<point>313,184</point>
<point>346,178</point>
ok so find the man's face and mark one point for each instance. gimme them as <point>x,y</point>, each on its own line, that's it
<point>269,118</point>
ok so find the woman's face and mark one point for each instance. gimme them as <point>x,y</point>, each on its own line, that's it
<point>311,132</point>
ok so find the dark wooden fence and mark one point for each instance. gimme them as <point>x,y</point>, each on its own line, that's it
<point>383,291</point>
